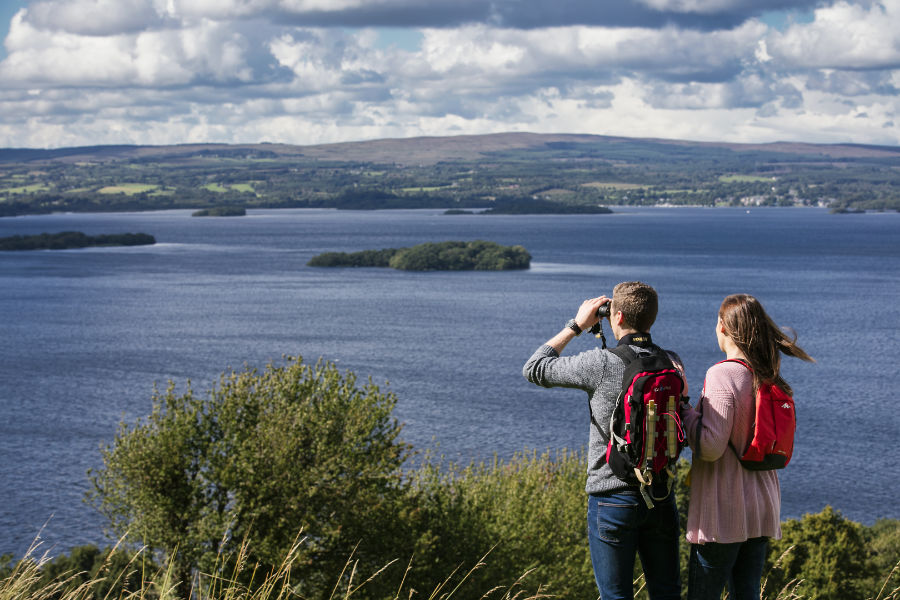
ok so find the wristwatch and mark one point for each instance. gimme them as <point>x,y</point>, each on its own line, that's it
<point>571,324</point>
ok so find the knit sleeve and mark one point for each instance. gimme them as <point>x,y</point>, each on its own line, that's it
<point>710,424</point>
<point>582,371</point>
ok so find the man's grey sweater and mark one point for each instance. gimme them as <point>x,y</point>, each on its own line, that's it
<point>599,373</point>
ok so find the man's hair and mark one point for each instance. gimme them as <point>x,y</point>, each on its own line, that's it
<point>638,303</point>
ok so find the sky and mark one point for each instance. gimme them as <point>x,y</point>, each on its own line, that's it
<point>87,72</point>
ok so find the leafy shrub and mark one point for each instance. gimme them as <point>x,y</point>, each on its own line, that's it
<point>262,457</point>
<point>528,512</point>
<point>827,552</point>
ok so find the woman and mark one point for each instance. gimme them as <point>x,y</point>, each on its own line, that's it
<point>733,511</point>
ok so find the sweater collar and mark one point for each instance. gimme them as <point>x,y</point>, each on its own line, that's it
<point>642,340</point>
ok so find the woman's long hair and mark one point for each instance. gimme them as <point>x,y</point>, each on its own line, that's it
<point>759,338</point>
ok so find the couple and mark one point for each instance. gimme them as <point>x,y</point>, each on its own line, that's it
<point>732,511</point>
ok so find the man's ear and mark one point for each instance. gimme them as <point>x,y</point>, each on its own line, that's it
<point>619,318</point>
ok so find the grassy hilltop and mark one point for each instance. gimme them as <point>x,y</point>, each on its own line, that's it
<point>293,482</point>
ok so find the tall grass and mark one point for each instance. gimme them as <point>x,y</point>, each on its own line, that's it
<point>24,583</point>
<point>529,508</point>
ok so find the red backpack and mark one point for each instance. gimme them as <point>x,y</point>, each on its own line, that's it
<point>645,433</point>
<point>774,424</point>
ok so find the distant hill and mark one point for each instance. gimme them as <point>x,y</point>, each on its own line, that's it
<point>512,173</point>
<point>418,150</point>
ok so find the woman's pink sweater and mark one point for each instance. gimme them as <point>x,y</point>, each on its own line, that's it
<point>728,503</point>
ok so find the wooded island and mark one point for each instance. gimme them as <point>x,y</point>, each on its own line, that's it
<point>73,239</point>
<point>477,255</point>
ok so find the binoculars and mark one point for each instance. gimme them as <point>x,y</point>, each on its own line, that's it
<point>602,312</point>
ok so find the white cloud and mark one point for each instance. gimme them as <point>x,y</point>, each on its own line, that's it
<point>94,17</point>
<point>203,53</point>
<point>688,6</point>
<point>842,36</point>
<point>588,53</point>
<point>244,71</point>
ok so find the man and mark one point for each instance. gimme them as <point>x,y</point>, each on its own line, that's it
<point>620,524</point>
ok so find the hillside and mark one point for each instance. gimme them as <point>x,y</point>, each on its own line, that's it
<point>449,172</point>
<point>420,150</point>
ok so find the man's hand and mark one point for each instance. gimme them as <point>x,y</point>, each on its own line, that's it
<point>585,318</point>
<point>587,312</point>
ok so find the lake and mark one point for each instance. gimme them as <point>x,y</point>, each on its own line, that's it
<point>86,334</point>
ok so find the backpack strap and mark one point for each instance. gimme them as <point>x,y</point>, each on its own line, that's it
<point>746,364</point>
<point>737,360</point>
<point>627,355</point>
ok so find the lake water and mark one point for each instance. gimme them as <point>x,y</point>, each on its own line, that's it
<point>87,333</point>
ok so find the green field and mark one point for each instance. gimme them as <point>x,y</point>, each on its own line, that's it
<point>234,187</point>
<point>613,185</point>
<point>26,189</point>
<point>744,178</point>
<point>412,190</point>
<point>129,189</point>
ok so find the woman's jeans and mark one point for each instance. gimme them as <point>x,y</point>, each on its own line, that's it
<point>619,526</point>
<point>738,565</point>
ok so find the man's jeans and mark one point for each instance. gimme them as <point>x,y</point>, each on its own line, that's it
<point>740,565</point>
<point>620,525</point>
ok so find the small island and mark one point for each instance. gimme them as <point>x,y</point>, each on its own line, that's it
<point>73,239</point>
<point>477,255</point>
<point>533,206</point>
<point>221,211</point>
<point>527,206</point>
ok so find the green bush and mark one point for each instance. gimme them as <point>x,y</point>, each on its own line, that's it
<point>262,457</point>
<point>826,553</point>
<point>527,513</point>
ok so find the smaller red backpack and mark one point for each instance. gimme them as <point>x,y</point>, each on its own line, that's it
<point>774,424</point>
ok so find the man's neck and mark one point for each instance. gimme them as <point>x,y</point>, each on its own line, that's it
<point>620,333</point>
